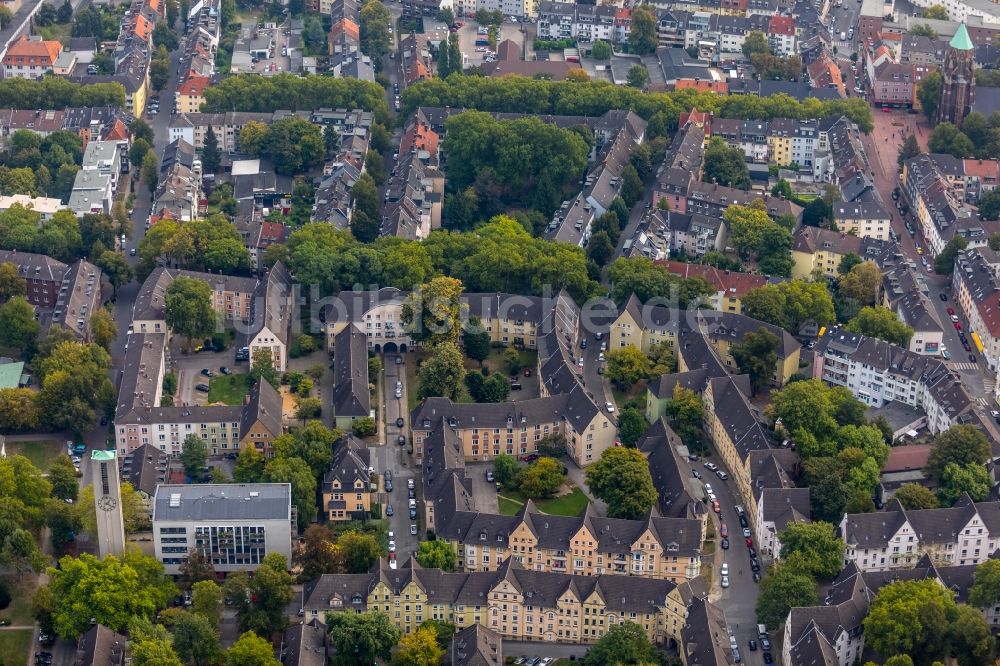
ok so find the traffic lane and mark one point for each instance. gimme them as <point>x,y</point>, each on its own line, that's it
<point>395,408</point>
<point>739,600</point>
<point>390,457</point>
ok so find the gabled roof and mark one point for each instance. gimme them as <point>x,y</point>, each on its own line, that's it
<point>351,396</point>
<point>263,404</point>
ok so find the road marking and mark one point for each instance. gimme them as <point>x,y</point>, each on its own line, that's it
<point>965,366</point>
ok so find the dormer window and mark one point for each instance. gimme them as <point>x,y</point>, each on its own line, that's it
<point>356,599</point>
<point>482,536</point>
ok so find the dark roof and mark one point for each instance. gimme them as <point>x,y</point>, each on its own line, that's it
<point>349,463</point>
<point>476,646</point>
<point>705,636</point>
<point>670,476</point>
<point>227,501</point>
<point>101,646</point>
<point>263,404</point>
<point>351,395</point>
<point>145,468</point>
<point>304,644</point>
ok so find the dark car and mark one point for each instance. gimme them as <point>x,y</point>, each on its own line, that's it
<point>754,564</point>
<point>752,551</point>
<point>743,521</point>
<point>388,486</point>
<point>399,422</point>
<point>388,508</point>
<point>972,357</point>
<point>231,456</point>
<point>966,347</point>
<point>202,388</point>
<point>207,372</point>
<point>753,645</point>
<point>944,296</point>
<point>399,360</point>
<point>583,344</point>
<point>725,544</point>
<point>411,493</point>
<point>226,371</point>
<point>401,441</point>
<point>768,659</point>
<point>413,514</point>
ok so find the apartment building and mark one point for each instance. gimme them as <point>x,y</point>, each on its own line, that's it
<point>190,94</point>
<point>818,251</point>
<point>977,291</point>
<point>643,326</point>
<point>347,485</point>
<point>865,219</point>
<point>44,206</point>
<point>878,373</point>
<point>235,526</point>
<point>230,297</point>
<point>895,538</point>
<point>905,292</point>
<point>488,430</point>
<point>351,392</point>
<point>30,58</point>
<point>729,286</point>
<point>515,602</point>
<point>271,314</point>
<point>141,418</point>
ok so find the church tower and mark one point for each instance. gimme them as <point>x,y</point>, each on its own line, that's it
<point>108,502</point>
<point>958,81</point>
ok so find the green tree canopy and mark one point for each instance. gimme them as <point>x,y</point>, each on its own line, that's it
<point>361,638</point>
<point>725,166</point>
<point>541,478</point>
<point>882,323</point>
<point>188,308</point>
<point>814,547</point>
<point>436,555</point>
<point>959,444</point>
<point>622,479</point>
<point>915,496</point>
<point>624,643</point>
<point>782,589</point>
<point>757,355</point>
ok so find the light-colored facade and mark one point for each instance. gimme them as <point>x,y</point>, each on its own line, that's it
<point>233,525</point>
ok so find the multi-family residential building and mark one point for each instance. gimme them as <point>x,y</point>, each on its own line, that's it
<point>729,286</point>
<point>517,603</point>
<point>905,292</point>
<point>977,291</point>
<point>643,326</point>
<point>677,491</point>
<point>100,646</point>
<point>231,297</point>
<point>347,484</point>
<point>820,251</point>
<point>271,312</point>
<point>234,525</point>
<point>414,200</point>
<point>516,428</point>
<point>896,538</point>
<point>30,57</point>
<point>878,373</point>
<point>44,206</point>
<point>141,418</point>
<point>351,393</point>
<point>190,93</point>
<point>866,219</point>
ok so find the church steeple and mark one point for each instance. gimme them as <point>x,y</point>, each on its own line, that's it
<point>958,79</point>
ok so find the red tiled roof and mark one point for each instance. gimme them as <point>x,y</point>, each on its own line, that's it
<point>701,85</point>
<point>36,51</point>
<point>781,25</point>
<point>984,169</point>
<point>732,283</point>
<point>903,458</point>
<point>194,86</point>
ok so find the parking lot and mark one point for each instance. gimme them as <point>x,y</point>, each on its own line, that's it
<point>467,35</point>
<point>188,369</point>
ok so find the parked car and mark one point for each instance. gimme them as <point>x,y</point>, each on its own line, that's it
<point>723,530</point>
<point>753,645</point>
<point>399,422</point>
<point>725,581</point>
<point>530,457</point>
<point>489,476</point>
<point>711,466</point>
<point>207,372</point>
<point>203,388</point>
<point>722,475</point>
<point>413,529</point>
<point>413,513</point>
<point>226,371</point>
<point>388,486</point>
<point>725,544</point>
<point>388,508</point>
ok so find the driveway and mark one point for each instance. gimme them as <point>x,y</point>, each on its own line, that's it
<point>484,491</point>
<point>188,369</point>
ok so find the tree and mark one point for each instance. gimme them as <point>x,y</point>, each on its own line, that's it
<point>625,643</point>
<point>622,479</point>
<point>642,38</point>
<point>18,326</point>
<point>910,617</point>
<point>908,150</point>
<point>631,426</point>
<point>686,412</point>
<point>419,648</point>
<point>361,638</point>
<point>959,444</point>
<point>957,480</point>
<point>196,568</point>
<point>261,602</point>
<point>914,496</point>
<point>881,323</point>
<point>725,166</point>
<point>782,589</point>
<point>929,94</point>
<point>164,35</point>
<point>206,600</point>
<point>861,283</point>
<point>923,30</point>
<point>113,591</point>
<point>262,367</point>
<point>433,313</point>
<point>757,356</point>
<point>638,77</point>
<point>541,478</point>
<point>947,138</point>
<point>62,476</point>
<point>970,637</point>
<point>194,455</point>
<point>150,171</point>
<point>376,30</point>
<point>505,469</point>
<point>985,589</point>
<point>790,304</point>
<point>755,42</point>
<point>442,374</point>
<point>251,650</point>
<point>363,427</point>
<point>153,651</point>
<point>317,555</point>
<point>293,144</point>
<point>188,308</point>
<point>989,209</point>
<point>249,465</point>
<point>937,12</point>
<point>814,548</point>
<point>11,283</point>
<point>600,50</point>
<point>195,639</point>
<point>476,340</point>
<point>103,329</point>
<point>296,472</point>
<point>436,554</point>
<point>600,250</point>
<point>817,213</point>
<point>252,136</point>
<point>74,382</point>
<point>944,263</point>
<point>210,155</point>
<point>627,365</point>
<point>115,267</point>
<point>359,550</point>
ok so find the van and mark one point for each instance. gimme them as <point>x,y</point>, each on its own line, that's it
<point>761,631</point>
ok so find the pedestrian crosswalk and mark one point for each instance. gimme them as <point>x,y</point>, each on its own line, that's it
<point>965,366</point>
<point>981,401</point>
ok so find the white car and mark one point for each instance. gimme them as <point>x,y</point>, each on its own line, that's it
<point>392,564</point>
<point>600,357</point>
<point>480,49</point>
<point>725,569</point>
<point>610,406</point>
<point>580,362</point>
<point>413,529</point>
<point>708,488</point>
<point>711,466</point>
<point>392,535</point>
<point>725,582</point>
<point>392,546</point>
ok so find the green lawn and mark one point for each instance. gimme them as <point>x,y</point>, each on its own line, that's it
<point>41,453</point>
<point>14,645</point>
<point>21,591</point>
<point>568,505</point>
<point>227,389</point>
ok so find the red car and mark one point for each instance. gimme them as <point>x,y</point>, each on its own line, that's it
<point>715,506</point>
<point>527,372</point>
<point>958,326</point>
<point>951,311</point>
<point>530,457</point>
<point>723,531</point>
<point>749,542</point>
